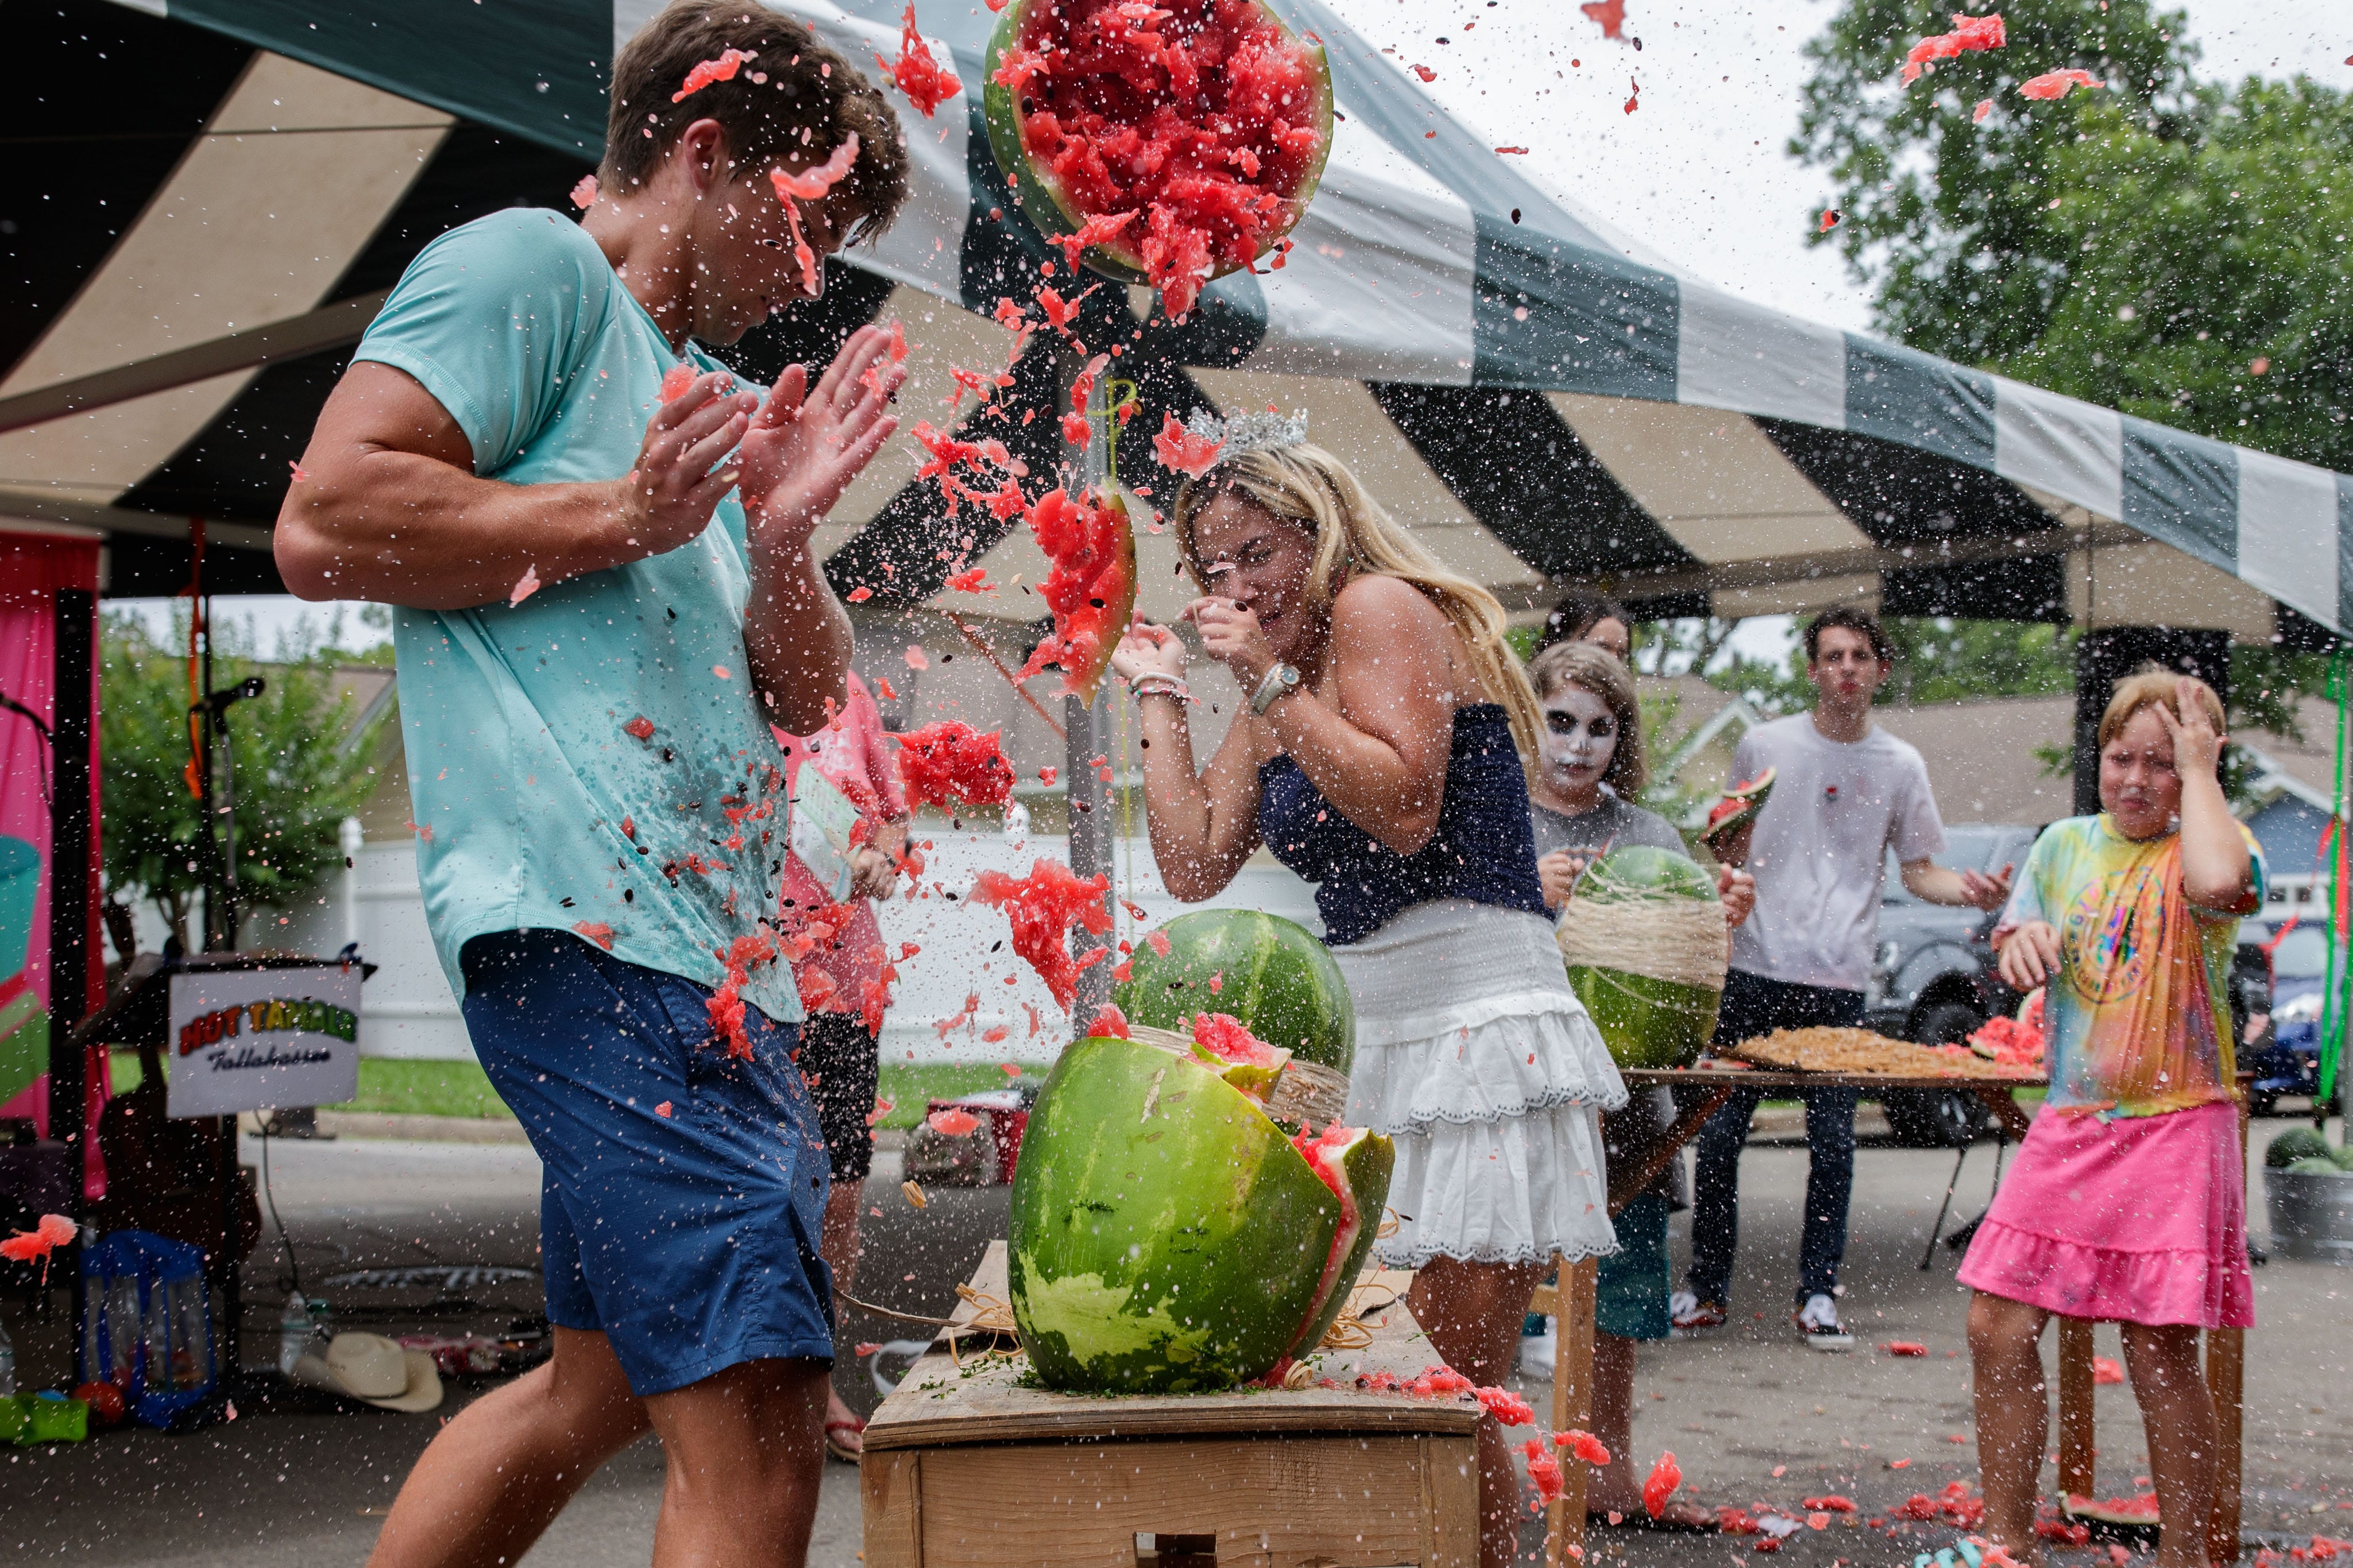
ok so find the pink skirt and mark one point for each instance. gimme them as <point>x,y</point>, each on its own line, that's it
<point>2138,1220</point>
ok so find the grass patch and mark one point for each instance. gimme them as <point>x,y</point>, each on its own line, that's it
<point>395,1086</point>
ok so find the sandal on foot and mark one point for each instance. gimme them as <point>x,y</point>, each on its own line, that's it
<point>835,1450</point>
<point>1640,1519</point>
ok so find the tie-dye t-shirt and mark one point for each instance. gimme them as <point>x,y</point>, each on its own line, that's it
<point>2139,1019</point>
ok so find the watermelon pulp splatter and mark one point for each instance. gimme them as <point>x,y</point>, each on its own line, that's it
<point>1042,908</point>
<point>1090,585</point>
<point>1177,146</point>
<point>950,761</point>
<point>923,79</point>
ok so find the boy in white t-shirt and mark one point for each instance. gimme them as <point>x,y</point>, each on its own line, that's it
<point>1845,791</point>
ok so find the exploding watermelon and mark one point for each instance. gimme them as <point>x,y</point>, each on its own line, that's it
<point>1167,1237</point>
<point>1652,995</point>
<point>1170,146</point>
<point>1268,972</point>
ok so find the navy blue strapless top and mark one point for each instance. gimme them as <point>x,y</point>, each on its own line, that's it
<point>1484,850</point>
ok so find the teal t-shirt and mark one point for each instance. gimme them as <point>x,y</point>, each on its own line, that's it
<point>592,759</point>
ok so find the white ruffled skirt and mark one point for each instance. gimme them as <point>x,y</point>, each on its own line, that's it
<point>1474,1055</point>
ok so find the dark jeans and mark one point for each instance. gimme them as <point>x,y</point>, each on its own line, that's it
<point>1754,1005</point>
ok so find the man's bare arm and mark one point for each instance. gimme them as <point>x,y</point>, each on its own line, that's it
<point>387,505</point>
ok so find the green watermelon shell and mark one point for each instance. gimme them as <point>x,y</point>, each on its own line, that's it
<point>1166,1237</point>
<point>1271,974</point>
<point>1646,1021</point>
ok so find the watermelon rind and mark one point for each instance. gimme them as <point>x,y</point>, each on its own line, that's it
<point>1046,204</point>
<point>1272,974</point>
<point>1646,1023</point>
<point>1644,871</point>
<point>1366,1166</point>
<point>1164,1237</point>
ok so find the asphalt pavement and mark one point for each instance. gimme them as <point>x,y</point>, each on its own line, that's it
<point>1752,1414</point>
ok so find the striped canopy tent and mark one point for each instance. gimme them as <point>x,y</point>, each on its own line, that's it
<point>1540,398</point>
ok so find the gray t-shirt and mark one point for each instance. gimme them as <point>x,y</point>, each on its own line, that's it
<point>1820,848</point>
<point>1612,822</point>
<point>1628,1135</point>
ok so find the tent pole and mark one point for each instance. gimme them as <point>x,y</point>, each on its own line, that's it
<point>74,683</point>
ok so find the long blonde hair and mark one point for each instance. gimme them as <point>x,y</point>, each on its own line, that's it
<point>1309,486</point>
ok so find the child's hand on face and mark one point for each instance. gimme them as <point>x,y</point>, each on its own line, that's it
<point>2196,745</point>
<point>2030,955</point>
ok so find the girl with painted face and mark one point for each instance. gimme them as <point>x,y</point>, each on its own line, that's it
<point>1590,759</point>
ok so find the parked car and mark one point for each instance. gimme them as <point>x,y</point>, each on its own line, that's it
<point>2285,1055</point>
<point>1933,981</point>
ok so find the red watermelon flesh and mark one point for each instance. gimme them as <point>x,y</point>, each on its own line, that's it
<point>1090,585</point>
<point>1208,125</point>
<point>1244,1060</point>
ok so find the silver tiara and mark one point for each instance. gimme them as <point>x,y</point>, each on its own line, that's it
<point>1250,432</point>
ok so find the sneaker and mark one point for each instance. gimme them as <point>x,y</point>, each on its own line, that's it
<point>1819,1321</point>
<point>1540,1350</point>
<point>1690,1315</point>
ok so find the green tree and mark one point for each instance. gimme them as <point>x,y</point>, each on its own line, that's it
<point>2210,291</point>
<point>1937,659</point>
<point>296,778</point>
<point>1949,219</point>
<point>2168,248</point>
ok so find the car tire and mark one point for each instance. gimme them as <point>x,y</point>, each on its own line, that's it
<point>1932,1118</point>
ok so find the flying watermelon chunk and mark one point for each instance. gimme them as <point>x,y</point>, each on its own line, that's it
<point>1090,586</point>
<point>1177,144</point>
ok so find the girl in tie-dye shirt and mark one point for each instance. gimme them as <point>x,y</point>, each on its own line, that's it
<point>2127,1200</point>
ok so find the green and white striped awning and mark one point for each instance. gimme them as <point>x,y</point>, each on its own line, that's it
<point>1520,381</point>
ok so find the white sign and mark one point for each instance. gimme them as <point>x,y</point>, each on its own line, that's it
<point>257,1039</point>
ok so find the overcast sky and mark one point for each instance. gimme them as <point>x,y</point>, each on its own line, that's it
<point>1698,172</point>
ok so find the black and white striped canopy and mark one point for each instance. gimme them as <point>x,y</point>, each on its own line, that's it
<point>1539,398</point>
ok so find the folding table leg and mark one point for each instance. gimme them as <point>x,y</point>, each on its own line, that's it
<point>1943,1209</point>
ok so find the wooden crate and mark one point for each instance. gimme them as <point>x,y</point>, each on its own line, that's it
<point>965,1470</point>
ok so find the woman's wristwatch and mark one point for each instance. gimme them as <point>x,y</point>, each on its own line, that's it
<point>1280,682</point>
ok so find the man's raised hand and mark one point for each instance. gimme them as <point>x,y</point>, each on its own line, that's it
<point>806,446</point>
<point>667,500</point>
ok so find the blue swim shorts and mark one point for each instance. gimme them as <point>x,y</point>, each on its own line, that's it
<point>683,1189</point>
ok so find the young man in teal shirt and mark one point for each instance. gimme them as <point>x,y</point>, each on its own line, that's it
<point>606,596</point>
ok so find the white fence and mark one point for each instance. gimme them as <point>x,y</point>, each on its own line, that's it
<point>408,1010</point>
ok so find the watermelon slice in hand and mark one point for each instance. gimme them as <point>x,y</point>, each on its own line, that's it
<point>1174,146</point>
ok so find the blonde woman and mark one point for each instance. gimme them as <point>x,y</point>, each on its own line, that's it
<point>1379,753</point>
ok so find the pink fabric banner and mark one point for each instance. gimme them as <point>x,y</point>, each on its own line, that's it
<point>33,567</point>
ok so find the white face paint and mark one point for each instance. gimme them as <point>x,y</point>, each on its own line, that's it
<point>1580,737</point>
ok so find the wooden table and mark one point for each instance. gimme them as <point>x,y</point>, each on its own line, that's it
<point>965,1468</point>
<point>1703,1091</point>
